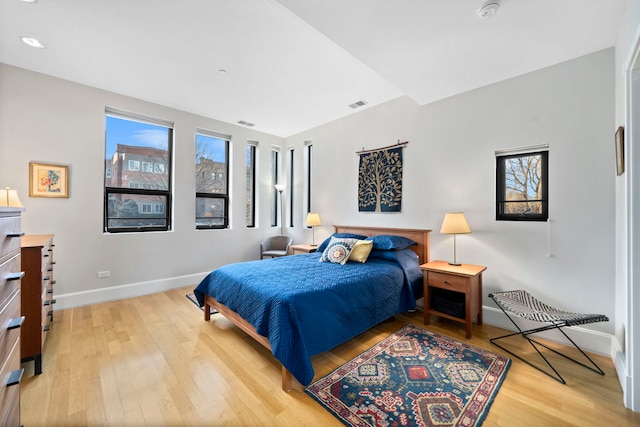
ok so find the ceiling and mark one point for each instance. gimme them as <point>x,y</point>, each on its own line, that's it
<point>295,64</point>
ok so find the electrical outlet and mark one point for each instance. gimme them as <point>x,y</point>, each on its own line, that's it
<point>103,274</point>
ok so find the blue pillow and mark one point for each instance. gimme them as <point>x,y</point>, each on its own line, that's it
<point>390,242</point>
<point>324,244</point>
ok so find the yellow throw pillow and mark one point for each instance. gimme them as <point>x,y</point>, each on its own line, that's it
<point>361,251</point>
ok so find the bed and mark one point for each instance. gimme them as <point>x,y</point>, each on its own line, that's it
<point>298,307</point>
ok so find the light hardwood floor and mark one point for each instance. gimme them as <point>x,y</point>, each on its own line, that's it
<point>154,361</point>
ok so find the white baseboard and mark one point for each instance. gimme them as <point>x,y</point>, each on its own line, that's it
<point>588,340</point>
<point>96,296</point>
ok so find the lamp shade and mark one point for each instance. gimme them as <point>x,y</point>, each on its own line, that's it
<point>279,187</point>
<point>313,219</point>
<point>9,198</point>
<point>455,223</point>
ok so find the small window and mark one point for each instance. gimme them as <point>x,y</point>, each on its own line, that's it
<point>307,176</point>
<point>522,186</point>
<point>290,176</point>
<point>275,179</point>
<point>132,144</point>
<point>212,185</point>
<point>250,166</point>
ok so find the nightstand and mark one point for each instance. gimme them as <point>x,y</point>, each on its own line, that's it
<point>456,291</point>
<point>302,248</point>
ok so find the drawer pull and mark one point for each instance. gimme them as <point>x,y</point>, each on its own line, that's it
<point>53,262</point>
<point>46,255</point>
<point>46,278</point>
<point>15,377</point>
<point>49,291</point>
<point>15,276</point>
<point>53,282</point>
<point>16,234</point>
<point>46,328</point>
<point>15,323</point>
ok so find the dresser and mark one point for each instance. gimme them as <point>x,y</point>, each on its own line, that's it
<point>37,296</point>
<point>453,292</point>
<point>10,318</point>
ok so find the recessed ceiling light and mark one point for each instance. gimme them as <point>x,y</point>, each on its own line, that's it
<point>30,1</point>
<point>33,42</point>
<point>222,71</point>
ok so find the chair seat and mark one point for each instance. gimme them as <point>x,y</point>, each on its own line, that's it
<point>524,305</point>
<point>274,253</point>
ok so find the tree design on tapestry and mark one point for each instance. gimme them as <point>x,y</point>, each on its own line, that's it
<point>380,181</point>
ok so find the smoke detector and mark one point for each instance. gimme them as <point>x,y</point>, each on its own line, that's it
<point>488,9</point>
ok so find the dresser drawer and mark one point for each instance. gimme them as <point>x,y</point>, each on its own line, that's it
<point>9,278</point>
<point>9,337</point>
<point>8,393</point>
<point>447,281</point>
<point>9,235</point>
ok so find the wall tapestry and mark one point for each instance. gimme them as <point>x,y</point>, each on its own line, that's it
<point>380,179</point>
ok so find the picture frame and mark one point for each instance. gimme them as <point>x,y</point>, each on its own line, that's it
<point>620,151</point>
<point>48,180</point>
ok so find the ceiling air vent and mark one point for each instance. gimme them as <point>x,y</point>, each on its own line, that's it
<point>242,122</point>
<point>358,104</point>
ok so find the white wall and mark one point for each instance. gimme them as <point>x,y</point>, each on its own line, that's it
<point>627,323</point>
<point>449,164</point>
<point>50,120</point>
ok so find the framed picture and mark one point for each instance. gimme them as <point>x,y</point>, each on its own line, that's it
<point>48,180</point>
<point>620,150</point>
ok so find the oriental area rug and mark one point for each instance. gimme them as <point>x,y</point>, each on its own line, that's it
<point>414,377</point>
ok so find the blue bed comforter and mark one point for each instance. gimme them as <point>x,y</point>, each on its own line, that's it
<point>305,307</point>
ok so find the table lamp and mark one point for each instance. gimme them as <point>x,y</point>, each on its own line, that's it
<point>455,223</point>
<point>9,198</point>
<point>313,220</point>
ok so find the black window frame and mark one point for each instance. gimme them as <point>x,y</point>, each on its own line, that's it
<point>309,149</point>
<point>501,188</point>
<point>117,192</point>
<point>275,178</point>
<point>219,196</point>
<point>250,220</point>
<point>291,175</point>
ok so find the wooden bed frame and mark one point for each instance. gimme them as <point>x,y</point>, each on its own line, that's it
<point>421,237</point>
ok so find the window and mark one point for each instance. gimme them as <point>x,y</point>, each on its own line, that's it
<point>290,176</point>
<point>250,167</point>
<point>129,192</point>
<point>308,163</point>
<point>212,185</point>
<point>522,186</point>
<point>275,167</point>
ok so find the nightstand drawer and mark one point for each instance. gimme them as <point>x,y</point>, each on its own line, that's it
<point>447,281</point>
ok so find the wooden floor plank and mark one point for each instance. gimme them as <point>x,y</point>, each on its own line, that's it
<point>153,361</point>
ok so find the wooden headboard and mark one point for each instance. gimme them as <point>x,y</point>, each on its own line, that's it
<point>421,237</point>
